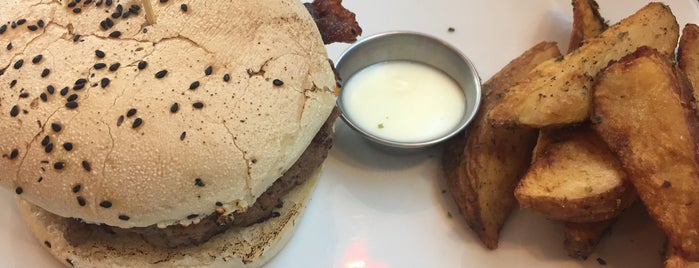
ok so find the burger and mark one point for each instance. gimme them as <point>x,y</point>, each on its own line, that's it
<point>194,140</point>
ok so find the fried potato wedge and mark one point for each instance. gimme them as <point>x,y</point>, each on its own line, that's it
<point>688,55</point>
<point>580,239</point>
<point>574,177</point>
<point>587,23</point>
<point>557,92</point>
<point>643,109</point>
<point>482,168</point>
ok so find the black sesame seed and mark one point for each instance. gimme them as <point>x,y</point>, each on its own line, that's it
<point>44,97</point>
<point>72,97</point>
<point>24,95</point>
<point>45,72</point>
<point>99,65</point>
<point>226,77</point>
<point>131,112</point>
<point>14,154</point>
<point>110,22</point>
<point>137,123</point>
<point>56,127</point>
<point>19,190</point>
<point>33,27</point>
<point>184,7</point>
<point>18,64</point>
<point>116,15</point>
<point>106,204</point>
<point>77,10</point>
<point>59,165</point>
<point>71,105</point>
<point>198,105</point>
<point>81,201</point>
<point>64,91</point>
<point>120,120</point>
<point>115,34</point>
<point>45,141</point>
<point>192,216</point>
<point>13,83</point>
<point>14,111</point>
<point>41,23</point>
<point>208,70</point>
<point>161,74</point>
<point>276,214</point>
<point>105,82</point>
<point>37,58</point>
<point>76,38</point>
<point>183,135</point>
<point>114,67</point>
<point>14,25</point>
<point>108,2</point>
<point>126,14</point>
<point>76,188</point>
<point>86,166</point>
<point>104,25</point>
<point>142,65</point>
<point>50,89</point>
<point>120,8</point>
<point>48,244</point>
<point>79,86</point>
<point>199,182</point>
<point>278,82</point>
<point>21,21</point>
<point>48,148</point>
<point>219,204</point>
<point>135,9</point>
<point>100,54</point>
<point>124,217</point>
<point>194,85</point>
<point>40,179</point>
<point>68,146</point>
<point>72,4</point>
<point>163,1</point>
<point>3,28</point>
<point>175,107</point>
<point>9,46</point>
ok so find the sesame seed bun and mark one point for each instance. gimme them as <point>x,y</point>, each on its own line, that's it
<point>109,120</point>
<point>243,247</point>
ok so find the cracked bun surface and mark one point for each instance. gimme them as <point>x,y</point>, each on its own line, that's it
<point>109,120</point>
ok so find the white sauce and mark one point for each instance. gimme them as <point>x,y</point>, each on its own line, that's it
<point>403,101</point>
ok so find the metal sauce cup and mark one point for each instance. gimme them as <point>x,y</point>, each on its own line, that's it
<point>416,47</point>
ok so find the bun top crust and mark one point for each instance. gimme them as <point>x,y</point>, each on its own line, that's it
<point>138,125</point>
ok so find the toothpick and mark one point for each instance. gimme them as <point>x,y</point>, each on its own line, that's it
<point>150,15</point>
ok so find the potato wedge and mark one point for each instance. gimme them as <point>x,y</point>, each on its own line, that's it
<point>580,239</point>
<point>557,92</point>
<point>587,23</point>
<point>483,167</point>
<point>688,55</point>
<point>574,177</point>
<point>643,109</point>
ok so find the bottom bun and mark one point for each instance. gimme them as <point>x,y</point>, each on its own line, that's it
<point>251,246</point>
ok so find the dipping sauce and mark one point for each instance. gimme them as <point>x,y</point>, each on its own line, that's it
<point>403,101</point>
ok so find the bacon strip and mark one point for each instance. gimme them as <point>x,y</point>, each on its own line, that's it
<point>335,23</point>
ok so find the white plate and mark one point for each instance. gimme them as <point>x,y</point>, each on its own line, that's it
<point>377,210</point>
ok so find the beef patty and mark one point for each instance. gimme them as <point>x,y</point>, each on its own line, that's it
<point>264,207</point>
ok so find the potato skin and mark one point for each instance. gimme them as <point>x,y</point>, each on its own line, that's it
<point>587,23</point>
<point>482,167</point>
<point>580,239</point>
